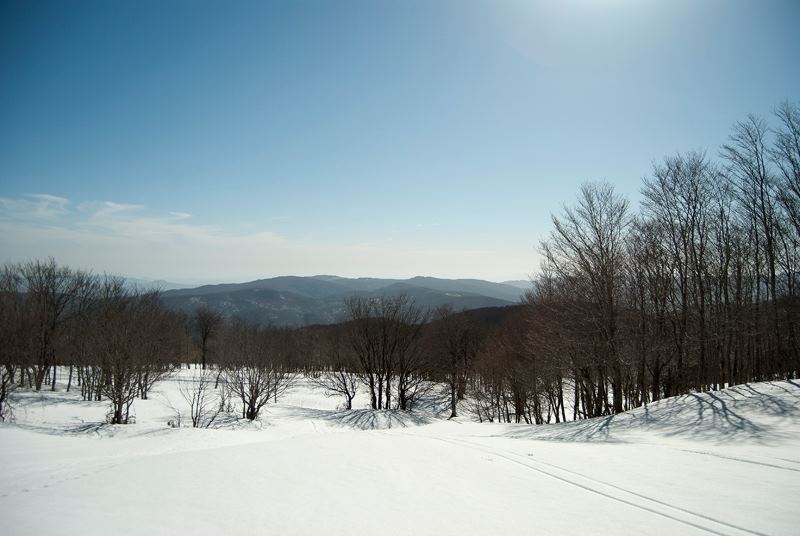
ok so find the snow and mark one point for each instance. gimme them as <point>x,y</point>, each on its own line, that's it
<point>720,463</point>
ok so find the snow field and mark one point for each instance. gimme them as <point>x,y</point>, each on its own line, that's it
<point>713,463</point>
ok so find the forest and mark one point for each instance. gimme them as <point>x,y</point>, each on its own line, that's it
<point>694,289</point>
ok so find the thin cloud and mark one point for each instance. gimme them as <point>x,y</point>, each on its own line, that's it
<point>124,238</point>
<point>33,207</point>
<point>180,215</point>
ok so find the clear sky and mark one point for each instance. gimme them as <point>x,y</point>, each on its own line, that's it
<point>224,141</point>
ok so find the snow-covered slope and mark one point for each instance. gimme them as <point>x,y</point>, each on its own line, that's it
<point>719,463</point>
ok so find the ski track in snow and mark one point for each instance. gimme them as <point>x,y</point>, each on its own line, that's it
<point>68,477</point>
<point>745,460</point>
<point>524,461</point>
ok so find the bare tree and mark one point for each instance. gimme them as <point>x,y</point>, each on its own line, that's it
<point>337,382</point>
<point>587,249</point>
<point>338,376</point>
<point>678,201</point>
<point>253,367</point>
<point>412,364</point>
<point>206,322</point>
<point>383,334</point>
<point>132,342</point>
<point>52,292</point>
<point>15,324</point>
<point>204,405</point>
<point>454,345</point>
<point>786,155</point>
<point>749,171</point>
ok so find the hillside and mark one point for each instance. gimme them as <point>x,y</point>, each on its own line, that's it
<point>721,463</point>
<point>297,301</point>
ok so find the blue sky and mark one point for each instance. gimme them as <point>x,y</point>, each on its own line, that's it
<point>202,141</point>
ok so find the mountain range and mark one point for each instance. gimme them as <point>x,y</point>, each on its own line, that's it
<point>297,301</point>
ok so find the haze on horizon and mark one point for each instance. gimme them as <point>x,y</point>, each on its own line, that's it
<point>205,141</point>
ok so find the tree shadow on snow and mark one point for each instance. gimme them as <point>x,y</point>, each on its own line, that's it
<point>364,419</point>
<point>79,429</point>
<point>23,399</point>
<point>742,411</point>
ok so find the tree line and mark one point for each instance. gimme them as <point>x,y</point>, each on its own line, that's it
<point>696,290</point>
<point>115,341</point>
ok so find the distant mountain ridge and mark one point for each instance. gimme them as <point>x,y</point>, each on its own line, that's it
<point>524,284</point>
<point>297,301</point>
